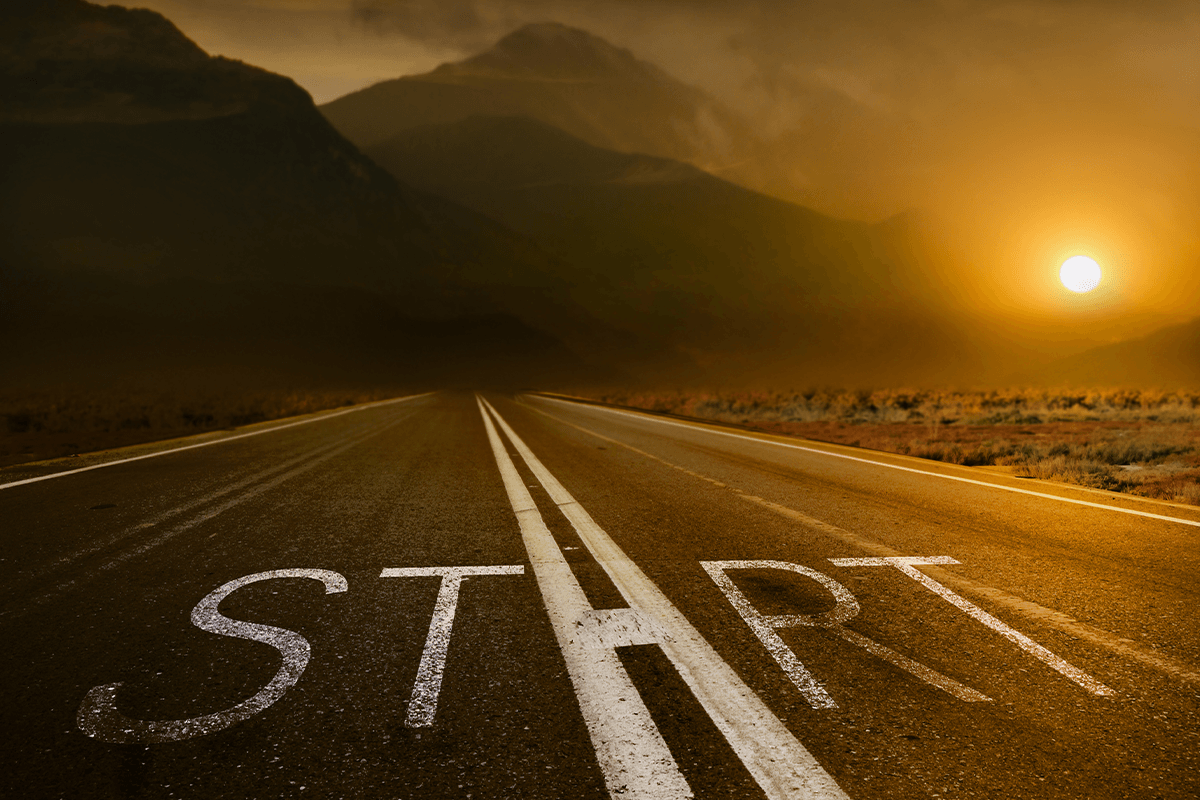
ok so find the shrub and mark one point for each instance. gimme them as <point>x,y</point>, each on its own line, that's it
<point>1086,437</point>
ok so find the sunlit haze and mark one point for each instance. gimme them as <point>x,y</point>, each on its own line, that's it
<point>1018,131</point>
<point>737,183</point>
<point>600,399</point>
<point>1080,274</point>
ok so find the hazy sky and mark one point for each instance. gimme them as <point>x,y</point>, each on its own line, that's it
<point>1032,130</point>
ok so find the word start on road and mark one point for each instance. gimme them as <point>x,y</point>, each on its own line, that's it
<point>99,718</point>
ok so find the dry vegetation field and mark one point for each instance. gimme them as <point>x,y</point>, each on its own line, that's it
<point>35,426</point>
<point>1141,442</point>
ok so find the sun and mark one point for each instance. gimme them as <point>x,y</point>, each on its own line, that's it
<point>1080,274</point>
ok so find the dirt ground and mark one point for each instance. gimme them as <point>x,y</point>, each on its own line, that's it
<point>1140,442</point>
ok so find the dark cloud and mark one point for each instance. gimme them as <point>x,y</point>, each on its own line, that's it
<point>464,24</point>
<point>438,20</point>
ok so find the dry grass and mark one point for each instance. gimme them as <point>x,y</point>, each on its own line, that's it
<point>51,424</point>
<point>1141,442</point>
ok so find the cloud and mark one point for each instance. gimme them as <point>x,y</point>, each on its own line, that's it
<point>467,25</point>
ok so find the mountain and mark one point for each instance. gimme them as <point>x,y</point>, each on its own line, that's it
<point>125,148</point>
<point>607,162</point>
<point>1168,358</point>
<point>664,249</point>
<point>812,151</point>
<point>88,330</point>
<point>566,78</point>
<point>130,157</point>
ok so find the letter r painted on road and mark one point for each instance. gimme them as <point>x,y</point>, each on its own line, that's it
<point>764,627</point>
<point>423,705</point>
<point>845,609</point>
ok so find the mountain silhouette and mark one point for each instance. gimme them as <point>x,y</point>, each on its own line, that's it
<point>130,157</point>
<point>171,162</point>
<point>1167,358</point>
<point>562,76</point>
<point>162,210</point>
<point>664,249</point>
<point>606,96</point>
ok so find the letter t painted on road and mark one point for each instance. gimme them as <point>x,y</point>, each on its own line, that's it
<point>908,565</point>
<point>423,705</point>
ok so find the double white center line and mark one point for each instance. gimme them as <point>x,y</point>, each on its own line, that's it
<point>632,753</point>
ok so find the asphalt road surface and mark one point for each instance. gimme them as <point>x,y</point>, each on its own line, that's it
<point>453,596</point>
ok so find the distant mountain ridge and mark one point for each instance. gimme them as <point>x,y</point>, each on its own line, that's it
<point>75,62</point>
<point>552,51</point>
<point>608,97</point>
<point>129,155</point>
<point>562,76</point>
<point>162,208</point>
<point>1167,358</point>
<point>639,212</point>
<point>265,188</point>
<point>664,249</point>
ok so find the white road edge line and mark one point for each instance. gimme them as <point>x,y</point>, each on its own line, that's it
<point>211,442</point>
<point>314,458</point>
<point>636,762</point>
<point>255,478</point>
<point>1038,613</point>
<point>1002,487</point>
<point>780,765</point>
<point>32,575</point>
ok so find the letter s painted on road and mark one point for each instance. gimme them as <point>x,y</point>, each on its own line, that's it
<point>99,718</point>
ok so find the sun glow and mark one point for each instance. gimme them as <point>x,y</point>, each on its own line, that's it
<point>1080,274</point>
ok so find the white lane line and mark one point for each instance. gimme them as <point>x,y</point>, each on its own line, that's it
<point>99,718</point>
<point>782,767</point>
<point>633,757</point>
<point>211,442</point>
<point>21,606</point>
<point>845,608</point>
<point>422,707</point>
<point>907,566</point>
<point>34,575</point>
<point>1002,487</point>
<point>607,628</point>
<point>1041,614</point>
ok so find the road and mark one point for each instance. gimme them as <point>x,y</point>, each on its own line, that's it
<point>456,595</point>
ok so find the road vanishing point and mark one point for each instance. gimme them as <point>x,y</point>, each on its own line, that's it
<point>461,595</point>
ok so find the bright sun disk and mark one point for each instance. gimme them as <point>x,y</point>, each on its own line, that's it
<point>1080,274</point>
